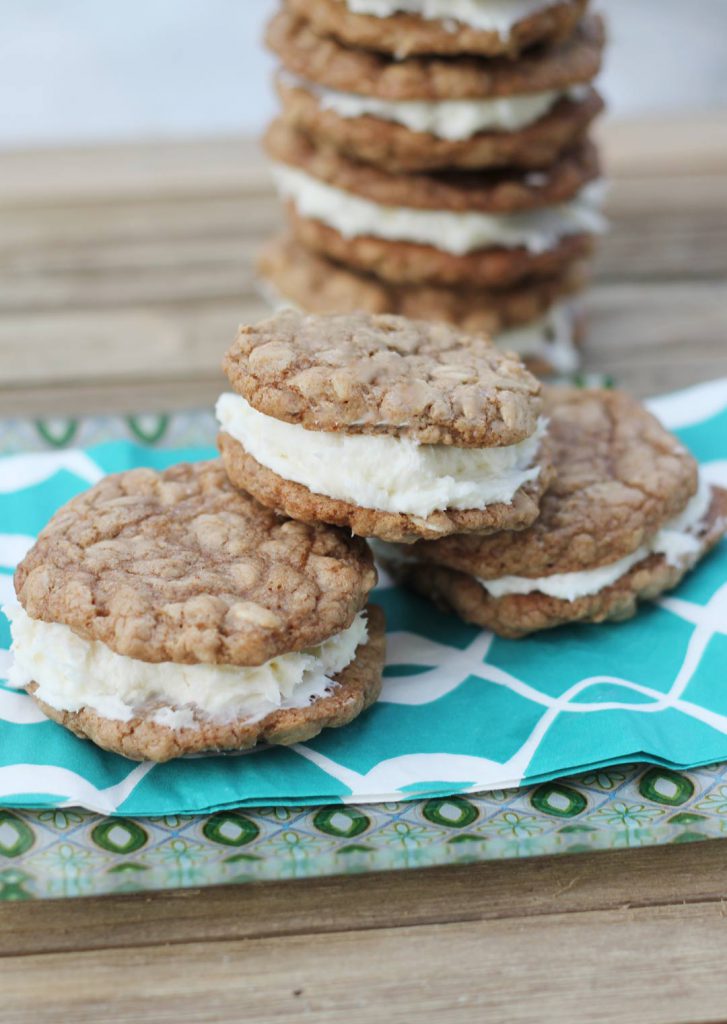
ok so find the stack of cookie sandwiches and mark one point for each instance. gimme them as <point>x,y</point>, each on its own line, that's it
<point>434,161</point>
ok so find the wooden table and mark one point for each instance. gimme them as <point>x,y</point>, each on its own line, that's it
<point>123,275</point>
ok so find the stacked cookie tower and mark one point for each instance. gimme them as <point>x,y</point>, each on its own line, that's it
<point>435,162</point>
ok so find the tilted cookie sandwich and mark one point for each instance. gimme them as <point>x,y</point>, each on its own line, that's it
<point>428,113</point>
<point>533,320</point>
<point>469,229</point>
<point>405,27</point>
<point>163,614</point>
<point>394,428</point>
<point>624,521</point>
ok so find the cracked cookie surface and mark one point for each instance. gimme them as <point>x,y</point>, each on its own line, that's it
<point>384,374</point>
<point>180,566</point>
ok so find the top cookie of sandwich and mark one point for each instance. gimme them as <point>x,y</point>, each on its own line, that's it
<point>620,477</point>
<point>180,566</point>
<point>384,374</point>
<point>392,28</point>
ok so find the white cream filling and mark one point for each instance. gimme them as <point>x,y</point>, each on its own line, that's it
<point>456,233</point>
<point>485,15</point>
<point>678,541</point>
<point>73,673</point>
<point>377,471</point>
<point>447,119</point>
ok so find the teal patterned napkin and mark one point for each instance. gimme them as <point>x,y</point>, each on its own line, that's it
<point>461,710</point>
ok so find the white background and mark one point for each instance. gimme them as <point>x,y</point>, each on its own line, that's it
<point>92,70</point>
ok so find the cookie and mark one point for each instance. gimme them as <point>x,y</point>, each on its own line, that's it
<point>193,618</point>
<point>625,519</point>
<point>433,114</point>
<point>480,230</point>
<point>464,192</point>
<point>391,427</point>
<point>406,27</point>
<point>398,148</point>
<point>530,320</point>
<point>412,263</point>
<point>325,62</point>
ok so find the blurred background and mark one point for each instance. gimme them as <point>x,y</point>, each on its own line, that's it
<point>84,71</point>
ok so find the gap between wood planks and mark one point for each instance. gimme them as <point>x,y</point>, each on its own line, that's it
<point>618,881</point>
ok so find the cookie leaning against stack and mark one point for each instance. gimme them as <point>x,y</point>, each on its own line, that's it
<point>396,429</point>
<point>163,614</point>
<point>625,519</point>
<point>457,177</point>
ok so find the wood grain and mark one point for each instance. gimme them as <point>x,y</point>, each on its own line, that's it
<point>132,266</point>
<point>522,889</point>
<point>631,966</point>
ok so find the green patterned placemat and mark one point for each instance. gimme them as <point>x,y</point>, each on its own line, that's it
<point>70,852</point>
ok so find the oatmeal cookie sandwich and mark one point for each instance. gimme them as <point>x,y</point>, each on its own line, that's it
<point>163,614</point>
<point>393,428</point>
<point>626,518</point>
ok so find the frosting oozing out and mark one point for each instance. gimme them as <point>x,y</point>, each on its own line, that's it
<point>379,471</point>
<point>457,233</point>
<point>678,541</point>
<point>73,673</point>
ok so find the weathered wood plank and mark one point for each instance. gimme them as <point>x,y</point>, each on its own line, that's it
<point>97,174</point>
<point>649,337</point>
<point>477,892</point>
<point>653,338</point>
<point>626,966</point>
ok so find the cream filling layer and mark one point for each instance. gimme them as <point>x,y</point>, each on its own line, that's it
<point>456,233</point>
<point>678,541</point>
<point>377,471</point>
<point>73,673</point>
<point>453,120</point>
<point>485,15</point>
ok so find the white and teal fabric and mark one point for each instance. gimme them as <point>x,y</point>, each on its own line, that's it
<point>461,711</point>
